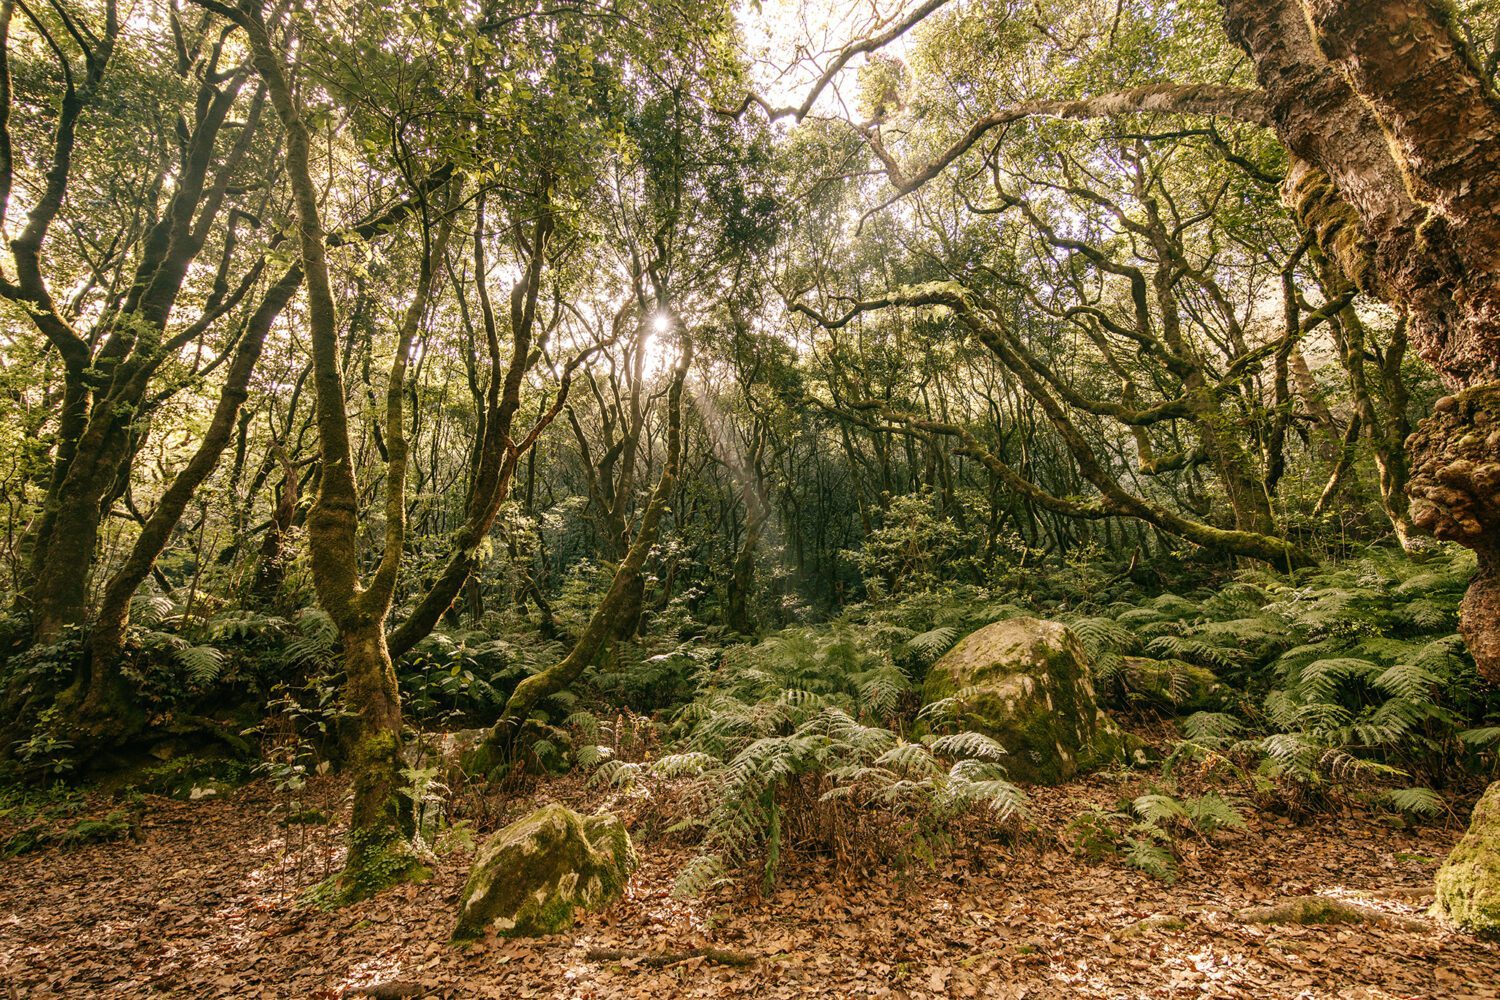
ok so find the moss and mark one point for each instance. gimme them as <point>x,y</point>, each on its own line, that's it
<point>1025,683</point>
<point>378,859</point>
<point>190,776</point>
<point>1175,685</point>
<point>1468,883</point>
<point>117,825</point>
<point>531,877</point>
<point>1312,910</point>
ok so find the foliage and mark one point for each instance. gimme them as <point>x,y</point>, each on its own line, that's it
<point>1144,831</point>
<point>787,748</point>
<point>1353,676</point>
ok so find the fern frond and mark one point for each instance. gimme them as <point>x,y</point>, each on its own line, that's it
<point>934,642</point>
<point>203,663</point>
<point>1416,801</point>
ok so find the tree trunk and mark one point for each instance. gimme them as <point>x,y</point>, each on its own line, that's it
<point>1397,137</point>
<point>1399,133</point>
<point>380,826</point>
<point>742,583</point>
<point>102,713</point>
<point>270,567</point>
<point>380,852</point>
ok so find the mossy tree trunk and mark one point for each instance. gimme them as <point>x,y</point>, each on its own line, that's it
<point>380,851</point>
<point>101,706</point>
<point>108,369</point>
<point>1396,130</point>
<point>1393,128</point>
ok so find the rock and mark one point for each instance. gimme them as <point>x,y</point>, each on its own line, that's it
<point>1175,684</point>
<point>1468,883</point>
<point>1025,683</point>
<point>529,878</point>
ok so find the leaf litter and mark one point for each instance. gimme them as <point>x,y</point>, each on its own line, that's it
<point>205,904</point>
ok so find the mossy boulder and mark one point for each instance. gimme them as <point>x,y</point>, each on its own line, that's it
<point>1025,683</point>
<point>529,878</point>
<point>1468,883</point>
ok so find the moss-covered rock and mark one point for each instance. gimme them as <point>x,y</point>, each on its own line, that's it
<point>1025,683</point>
<point>530,877</point>
<point>1468,883</point>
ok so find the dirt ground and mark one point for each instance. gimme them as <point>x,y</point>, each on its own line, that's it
<point>204,905</point>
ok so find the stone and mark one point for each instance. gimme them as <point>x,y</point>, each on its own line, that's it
<point>1468,883</point>
<point>1025,683</point>
<point>529,878</point>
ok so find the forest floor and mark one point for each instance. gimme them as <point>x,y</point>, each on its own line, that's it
<point>203,904</point>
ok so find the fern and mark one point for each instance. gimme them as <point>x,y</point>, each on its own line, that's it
<point>312,648</point>
<point>1213,728</point>
<point>1148,849</point>
<point>1101,636</point>
<point>968,746</point>
<point>934,642</point>
<point>1210,812</point>
<point>1416,801</point>
<point>761,788</point>
<point>203,663</point>
<point>1489,736</point>
<point>151,610</point>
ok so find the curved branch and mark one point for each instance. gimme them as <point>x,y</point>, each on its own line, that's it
<point>1240,103</point>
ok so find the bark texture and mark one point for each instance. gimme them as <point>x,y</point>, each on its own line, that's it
<point>1456,497</point>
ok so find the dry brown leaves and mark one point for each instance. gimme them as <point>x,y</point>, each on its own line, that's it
<point>205,907</point>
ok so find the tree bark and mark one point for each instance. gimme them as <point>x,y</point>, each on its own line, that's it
<point>1398,134</point>
<point>380,852</point>
<point>105,709</point>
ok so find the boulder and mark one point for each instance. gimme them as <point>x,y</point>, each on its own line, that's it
<point>1468,883</point>
<point>529,878</point>
<point>1025,683</point>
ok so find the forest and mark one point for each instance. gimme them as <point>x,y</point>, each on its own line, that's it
<point>777,498</point>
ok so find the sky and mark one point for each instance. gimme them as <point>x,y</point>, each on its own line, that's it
<point>791,40</point>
